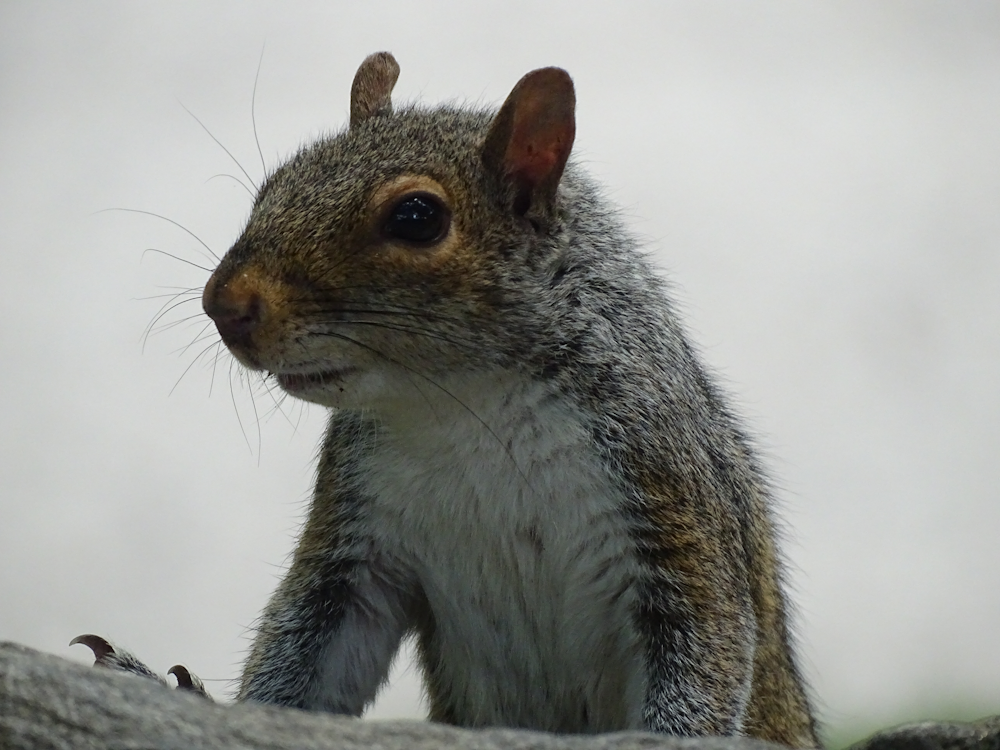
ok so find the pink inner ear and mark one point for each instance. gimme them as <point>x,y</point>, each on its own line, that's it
<point>534,163</point>
<point>543,128</point>
<point>531,137</point>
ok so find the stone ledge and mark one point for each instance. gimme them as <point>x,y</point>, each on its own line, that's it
<point>49,703</point>
<point>933,735</point>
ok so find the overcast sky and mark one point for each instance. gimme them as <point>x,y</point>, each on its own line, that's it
<point>820,181</point>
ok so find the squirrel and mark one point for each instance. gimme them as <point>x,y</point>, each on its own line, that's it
<point>526,465</point>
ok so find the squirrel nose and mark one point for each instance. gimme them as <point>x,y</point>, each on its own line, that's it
<point>236,310</point>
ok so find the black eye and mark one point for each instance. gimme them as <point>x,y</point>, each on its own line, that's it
<point>419,218</point>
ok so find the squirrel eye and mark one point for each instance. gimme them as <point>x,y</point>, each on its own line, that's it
<point>419,219</point>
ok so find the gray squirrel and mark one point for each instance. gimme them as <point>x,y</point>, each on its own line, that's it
<point>526,466</point>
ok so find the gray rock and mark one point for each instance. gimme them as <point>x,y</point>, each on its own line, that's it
<point>48,703</point>
<point>929,735</point>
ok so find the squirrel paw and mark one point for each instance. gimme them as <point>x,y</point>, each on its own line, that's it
<point>186,680</point>
<point>109,656</point>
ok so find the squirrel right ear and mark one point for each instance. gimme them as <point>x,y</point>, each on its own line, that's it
<point>372,88</point>
<point>531,136</point>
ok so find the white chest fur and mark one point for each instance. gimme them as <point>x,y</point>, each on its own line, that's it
<point>503,511</point>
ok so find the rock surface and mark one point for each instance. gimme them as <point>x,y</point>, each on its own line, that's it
<point>929,735</point>
<point>48,703</point>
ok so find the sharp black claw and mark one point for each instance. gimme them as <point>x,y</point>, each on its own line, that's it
<point>107,656</point>
<point>101,648</point>
<point>188,681</point>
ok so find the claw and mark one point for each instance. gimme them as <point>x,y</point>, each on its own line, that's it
<point>107,656</point>
<point>188,681</point>
<point>101,648</point>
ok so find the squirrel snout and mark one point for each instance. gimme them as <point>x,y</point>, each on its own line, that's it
<point>236,309</point>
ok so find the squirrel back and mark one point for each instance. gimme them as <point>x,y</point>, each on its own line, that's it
<point>526,463</point>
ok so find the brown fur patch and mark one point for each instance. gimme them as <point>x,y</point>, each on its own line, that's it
<point>250,281</point>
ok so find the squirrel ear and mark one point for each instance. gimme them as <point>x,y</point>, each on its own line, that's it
<point>372,87</point>
<point>531,136</point>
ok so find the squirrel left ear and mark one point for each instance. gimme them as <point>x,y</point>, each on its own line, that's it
<point>371,92</point>
<point>532,135</point>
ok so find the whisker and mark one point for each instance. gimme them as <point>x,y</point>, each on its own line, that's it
<point>169,221</point>
<point>175,257</point>
<point>277,403</point>
<point>179,288</point>
<point>188,368</point>
<point>215,365</point>
<point>302,412</point>
<point>409,329</point>
<point>256,416</point>
<point>418,388</point>
<point>164,309</point>
<point>441,388</point>
<point>173,324</point>
<point>341,305</point>
<point>218,143</point>
<point>232,395</point>
<point>235,179</point>
<point>399,312</point>
<point>402,313</point>
<point>253,113</point>
<point>157,330</point>
<point>202,336</point>
<point>173,295</point>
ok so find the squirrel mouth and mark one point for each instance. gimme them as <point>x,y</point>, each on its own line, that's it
<point>294,382</point>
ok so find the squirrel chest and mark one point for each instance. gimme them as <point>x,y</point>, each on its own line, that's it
<point>507,522</point>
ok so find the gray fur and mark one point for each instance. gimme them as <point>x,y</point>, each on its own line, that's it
<point>516,411</point>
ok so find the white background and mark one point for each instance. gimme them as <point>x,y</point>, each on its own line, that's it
<point>821,181</point>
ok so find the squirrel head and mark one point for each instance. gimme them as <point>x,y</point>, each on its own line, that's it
<point>400,245</point>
